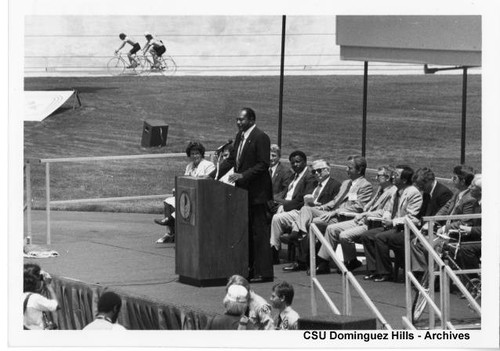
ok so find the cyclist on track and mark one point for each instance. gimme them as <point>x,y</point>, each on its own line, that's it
<point>135,47</point>
<point>156,47</point>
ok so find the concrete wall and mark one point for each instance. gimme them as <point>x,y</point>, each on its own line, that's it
<point>208,45</point>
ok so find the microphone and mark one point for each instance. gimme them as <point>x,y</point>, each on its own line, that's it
<point>222,147</point>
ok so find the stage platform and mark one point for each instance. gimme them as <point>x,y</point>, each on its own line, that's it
<point>118,251</point>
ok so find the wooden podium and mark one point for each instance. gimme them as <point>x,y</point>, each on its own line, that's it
<point>211,240</point>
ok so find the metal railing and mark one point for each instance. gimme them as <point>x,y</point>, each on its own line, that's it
<point>348,282</point>
<point>444,271</point>
<point>49,202</point>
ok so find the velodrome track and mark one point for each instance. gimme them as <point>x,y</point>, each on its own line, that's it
<point>117,250</point>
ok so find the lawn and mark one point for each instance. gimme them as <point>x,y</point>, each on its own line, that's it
<point>415,120</point>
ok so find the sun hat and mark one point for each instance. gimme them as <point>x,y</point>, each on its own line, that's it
<point>237,293</point>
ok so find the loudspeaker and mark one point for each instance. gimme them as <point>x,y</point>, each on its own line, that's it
<point>154,133</point>
<point>336,322</point>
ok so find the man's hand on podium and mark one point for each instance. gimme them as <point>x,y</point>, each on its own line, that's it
<point>234,177</point>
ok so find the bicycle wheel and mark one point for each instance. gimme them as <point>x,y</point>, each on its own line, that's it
<point>420,302</point>
<point>144,68</point>
<point>169,67</point>
<point>116,66</point>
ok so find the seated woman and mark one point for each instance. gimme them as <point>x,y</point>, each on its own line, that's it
<point>198,167</point>
<point>37,285</point>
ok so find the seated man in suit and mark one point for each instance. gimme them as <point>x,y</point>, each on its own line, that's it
<point>377,244</point>
<point>325,191</point>
<point>435,195</point>
<point>469,253</point>
<point>281,175</point>
<point>353,195</point>
<point>348,233</point>
<point>462,202</point>
<point>292,198</point>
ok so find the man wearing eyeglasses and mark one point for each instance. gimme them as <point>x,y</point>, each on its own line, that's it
<point>325,190</point>
<point>379,241</point>
<point>348,233</point>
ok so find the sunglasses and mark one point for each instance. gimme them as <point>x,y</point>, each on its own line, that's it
<point>319,170</point>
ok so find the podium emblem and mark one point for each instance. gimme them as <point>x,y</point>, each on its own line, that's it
<point>185,207</point>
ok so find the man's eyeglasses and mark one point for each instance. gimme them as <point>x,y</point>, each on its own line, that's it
<point>454,178</point>
<point>379,176</point>
<point>319,170</point>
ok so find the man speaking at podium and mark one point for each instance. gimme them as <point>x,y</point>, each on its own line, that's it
<point>250,160</point>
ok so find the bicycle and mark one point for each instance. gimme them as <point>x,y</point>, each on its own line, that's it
<point>448,252</point>
<point>117,65</point>
<point>167,65</point>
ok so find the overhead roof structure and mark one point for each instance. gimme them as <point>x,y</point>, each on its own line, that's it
<point>438,40</point>
<point>428,40</point>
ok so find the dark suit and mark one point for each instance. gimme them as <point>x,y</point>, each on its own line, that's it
<point>455,206</point>
<point>254,167</point>
<point>440,196</point>
<point>304,186</point>
<point>281,178</point>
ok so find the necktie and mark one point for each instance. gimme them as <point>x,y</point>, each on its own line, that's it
<point>395,205</point>
<point>453,211</point>
<point>271,172</point>
<point>240,147</point>
<point>375,199</point>
<point>316,192</point>
<point>278,325</point>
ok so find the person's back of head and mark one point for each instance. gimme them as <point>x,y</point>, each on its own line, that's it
<point>284,290</point>
<point>32,282</point>
<point>122,36</point>
<point>109,302</point>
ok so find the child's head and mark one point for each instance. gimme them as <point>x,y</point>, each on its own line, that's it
<point>122,36</point>
<point>282,295</point>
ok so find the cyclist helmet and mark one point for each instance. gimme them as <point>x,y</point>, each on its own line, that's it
<point>122,36</point>
<point>148,35</point>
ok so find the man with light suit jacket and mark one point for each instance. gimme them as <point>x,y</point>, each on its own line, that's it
<point>353,195</point>
<point>377,244</point>
<point>348,233</point>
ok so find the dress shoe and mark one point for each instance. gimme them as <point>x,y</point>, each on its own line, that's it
<point>168,238</point>
<point>382,278</point>
<point>294,267</point>
<point>261,279</point>
<point>370,276</point>
<point>353,264</point>
<point>162,221</point>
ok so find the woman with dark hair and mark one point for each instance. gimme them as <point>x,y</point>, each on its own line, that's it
<point>36,284</point>
<point>198,167</point>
